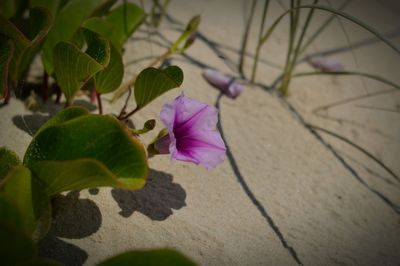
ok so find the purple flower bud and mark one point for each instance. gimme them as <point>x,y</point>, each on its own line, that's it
<point>192,133</point>
<point>227,85</point>
<point>325,64</point>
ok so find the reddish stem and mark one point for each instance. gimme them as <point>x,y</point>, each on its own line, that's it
<point>67,104</point>
<point>99,104</point>
<point>7,96</point>
<point>45,87</point>
<point>58,93</point>
<point>93,95</point>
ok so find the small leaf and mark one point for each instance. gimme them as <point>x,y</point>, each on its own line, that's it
<point>28,196</point>
<point>66,23</point>
<point>165,257</point>
<point>24,48</point>
<point>109,79</point>
<point>73,68</point>
<point>8,159</point>
<point>153,82</point>
<point>87,151</point>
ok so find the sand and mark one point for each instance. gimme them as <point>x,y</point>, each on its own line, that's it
<point>286,194</point>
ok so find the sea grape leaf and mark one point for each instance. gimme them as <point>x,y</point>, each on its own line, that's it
<point>152,82</point>
<point>109,79</point>
<point>9,214</point>
<point>60,176</point>
<point>24,47</point>
<point>73,68</point>
<point>67,22</point>
<point>16,248</point>
<point>86,151</point>
<point>64,116</point>
<point>28,196</point>
<point>165,257</point>
<point>8,160</point>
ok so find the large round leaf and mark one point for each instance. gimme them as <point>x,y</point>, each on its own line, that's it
<point>155,257</point>
<point>8,160</point>
<point>27,195</point>
<point>87,151</point>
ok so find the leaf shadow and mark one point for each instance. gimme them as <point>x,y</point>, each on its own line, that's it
<point>30,123</point>
<point>155,200</point>
<point>73,218</point>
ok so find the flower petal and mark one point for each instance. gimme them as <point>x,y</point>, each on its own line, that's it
<point>217,79</point>
<point>192,132</point>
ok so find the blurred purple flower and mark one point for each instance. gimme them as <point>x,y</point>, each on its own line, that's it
<point>227,85</point>
<point>325,63</point>
<point>192,133</point>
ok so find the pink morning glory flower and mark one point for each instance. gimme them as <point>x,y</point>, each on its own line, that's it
<point>325,64</point>
<point>227,85</point>
<point>192,132</point>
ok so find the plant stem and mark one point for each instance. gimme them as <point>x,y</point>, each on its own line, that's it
<point>7,95</point>
<point>245,37</point>
<point>122,112</point>
<point>259,43</point>
<point>45,86</point>
<point>293,25</point>
<point>93,95</point>
<point>58,93</point>
<point>160,58</point>
<point>288,73</point>
<point>321,28</point>
<point>99,104</point>
<point>129,114</point>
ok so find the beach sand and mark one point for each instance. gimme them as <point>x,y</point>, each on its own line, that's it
<point>287,193</point>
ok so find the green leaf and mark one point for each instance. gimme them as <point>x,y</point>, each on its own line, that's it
<point>28,196</point>
<point>119,24</point>
<point>64,116</point>
<point>8,8</point>
<point>24,48</point>
<point>67,22</point>
<point>52,5</point>
<point>153,82</point>
<point>73,68</point>
<point>6,53</point>
<point>125,18</point>
<point>8,159</point>
<point>9,213</point>
<point>186,36</point>
<point>109,79</point>
<point>87,151</point>
<point>16,248</point>
<point>165,257</point>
